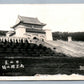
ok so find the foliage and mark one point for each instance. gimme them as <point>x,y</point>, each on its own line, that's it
<point>76,36</point>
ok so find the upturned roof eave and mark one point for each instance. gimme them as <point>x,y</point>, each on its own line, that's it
<point>15,25</point>
<point>22,21</point>
<point>27,23</point>
<point>42,24</point>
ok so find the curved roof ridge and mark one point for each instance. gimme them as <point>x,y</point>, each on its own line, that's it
<point>29,20</point>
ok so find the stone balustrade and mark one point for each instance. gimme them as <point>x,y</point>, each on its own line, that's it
<point>13,39</point>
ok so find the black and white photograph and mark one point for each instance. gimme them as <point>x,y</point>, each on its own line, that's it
<point>41,41</point>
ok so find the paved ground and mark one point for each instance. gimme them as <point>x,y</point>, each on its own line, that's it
<point>73,48</point>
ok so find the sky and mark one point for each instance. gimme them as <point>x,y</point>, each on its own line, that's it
<point>39,1</point>
<point>57,17</point>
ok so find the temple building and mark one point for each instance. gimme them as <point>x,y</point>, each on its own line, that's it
<point>30,28</point>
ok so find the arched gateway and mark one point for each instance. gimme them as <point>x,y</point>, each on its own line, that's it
<point>29,28</point>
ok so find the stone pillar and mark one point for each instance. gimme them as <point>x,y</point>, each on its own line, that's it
<point>7,39</point>
<point>69,38</point>
<point>23,40</point>
<point>3,39</point>
<point>18,40</point>
<point>15,40</point>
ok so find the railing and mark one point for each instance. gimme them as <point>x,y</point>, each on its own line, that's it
<point>13,39</point>
<point>19,39</point>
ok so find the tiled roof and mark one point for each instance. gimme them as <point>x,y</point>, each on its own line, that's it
<point>11,33</point>
<point>28,20</point>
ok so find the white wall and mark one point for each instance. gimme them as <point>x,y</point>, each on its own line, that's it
<point>48,34</point>
<point>20,32</point>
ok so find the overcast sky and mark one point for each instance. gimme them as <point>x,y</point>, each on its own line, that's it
<point>58,17</point>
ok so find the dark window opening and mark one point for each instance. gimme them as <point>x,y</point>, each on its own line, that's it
<point>42,40</point>
<point>35,38</point>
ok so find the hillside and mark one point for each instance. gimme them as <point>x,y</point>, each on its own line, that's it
<point>26,59</point>
<point>73,48</point>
